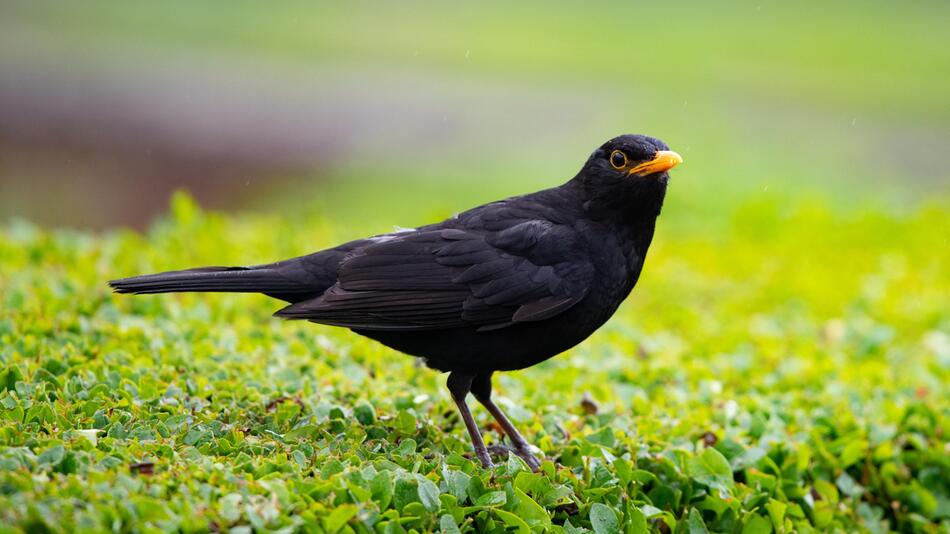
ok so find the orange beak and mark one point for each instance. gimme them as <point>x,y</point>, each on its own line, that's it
<point>664,161</point>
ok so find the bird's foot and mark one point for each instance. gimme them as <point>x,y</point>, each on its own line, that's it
<point>523,452</point>
<point>484,457</point>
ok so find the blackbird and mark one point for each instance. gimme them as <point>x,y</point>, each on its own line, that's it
<point>499,287</point>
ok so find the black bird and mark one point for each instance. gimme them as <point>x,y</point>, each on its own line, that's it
<point>496,288</point>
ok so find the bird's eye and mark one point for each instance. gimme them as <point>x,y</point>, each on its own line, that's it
<point>618,159</point>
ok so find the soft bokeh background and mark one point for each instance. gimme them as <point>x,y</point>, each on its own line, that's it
<point>792,314</point>
<point>381,114</point>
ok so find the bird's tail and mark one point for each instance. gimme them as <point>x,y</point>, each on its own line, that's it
<point>262,279</point>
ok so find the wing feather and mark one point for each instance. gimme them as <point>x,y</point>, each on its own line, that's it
<point>452,277</point>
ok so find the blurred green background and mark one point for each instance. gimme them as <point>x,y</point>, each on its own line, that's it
<point>381,114</point>
<point>793,310</point>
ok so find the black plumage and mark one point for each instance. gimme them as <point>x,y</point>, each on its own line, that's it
<point>496,288</point>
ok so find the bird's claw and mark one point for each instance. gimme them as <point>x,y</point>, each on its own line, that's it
<point>522,452</point>
<point>485,460</point>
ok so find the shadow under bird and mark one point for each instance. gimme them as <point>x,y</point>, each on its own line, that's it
<point>499,287</point>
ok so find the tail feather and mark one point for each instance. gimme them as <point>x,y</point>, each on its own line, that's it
<point>229,279</point>
<point>292,280</point>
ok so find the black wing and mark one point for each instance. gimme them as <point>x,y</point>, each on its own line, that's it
<point>444,278</point>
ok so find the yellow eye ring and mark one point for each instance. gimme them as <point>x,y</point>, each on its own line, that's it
<point>618,159</point>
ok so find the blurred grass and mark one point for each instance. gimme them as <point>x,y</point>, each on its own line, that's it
<point>881,57</point>
<point>842,101</point>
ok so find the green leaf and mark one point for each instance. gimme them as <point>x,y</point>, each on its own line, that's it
<point>748,458</point>
<point>827,490</point>
<point>448,526</point>
<point>457,484</point>
<point>381,487</point>
<point>90,435</point>
<point>635,522</point>
<point>428,493</point>
<point>757,524</point>
<point>51,456</point>
<point>407,447</point>
<point>848,486</point>
<point>776,511</point>
<point>513,521</point>
<point>919,499</point>
<point>331,468</point>
<point>9,377</point>
<point>695,523</point>
<point>229,507</point>
<point>853,452</point>
<point>871,517</point>
<point>514,465</point>
<point>406,491</point>
<point>531,512</point>
<point>340,516</point>
<point>492,498</point>
<point>603,520</point>
<point>364,412</point>
<point>604,437</point>
<point>406,422</point>
<point>711,469</point>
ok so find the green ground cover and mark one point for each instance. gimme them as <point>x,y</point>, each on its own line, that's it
<point>785,373</point>
<point>782,366</point>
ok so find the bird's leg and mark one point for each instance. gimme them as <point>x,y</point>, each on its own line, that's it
<point>481,388</point>
<point>459,386</point>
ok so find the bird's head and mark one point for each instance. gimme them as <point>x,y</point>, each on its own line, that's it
<point>629,172</point>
